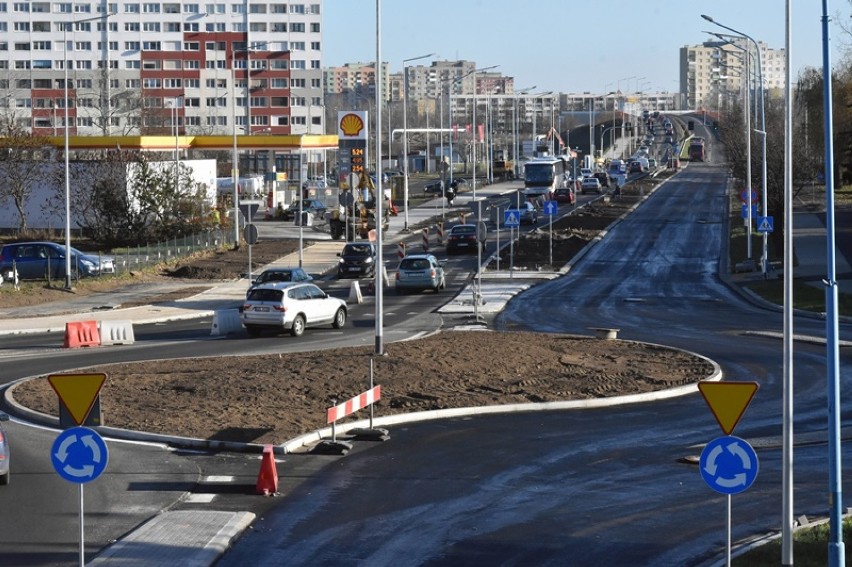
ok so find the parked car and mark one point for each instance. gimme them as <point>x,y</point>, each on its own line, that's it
<point>42,260</point>
<point>462,238</point>
<point>279,275</point>
<point>436,187</point>
<point>564,195</point>
<point>312,206</point>
<point>636,167</point>
<point>291,306</point>
<point>418,272</point>
<point>5,470</point>
<point>528,213</point>
<point>585,172</point>
<point>602,177</point>
<point>591,185</point>
<point>357,259</point>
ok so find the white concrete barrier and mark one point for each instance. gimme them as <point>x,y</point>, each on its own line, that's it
<point>116,332</point>
<point>355,293</point>
<point>226,321</point>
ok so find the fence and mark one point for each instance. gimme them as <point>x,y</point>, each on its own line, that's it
<point>139,257</point>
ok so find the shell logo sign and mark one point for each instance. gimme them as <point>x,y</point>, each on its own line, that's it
<point>352,125</point>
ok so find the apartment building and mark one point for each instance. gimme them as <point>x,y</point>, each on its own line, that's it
<point>712,74</point>
<point>145,68</point>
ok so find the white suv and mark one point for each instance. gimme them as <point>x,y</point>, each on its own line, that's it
<point>291,306</point>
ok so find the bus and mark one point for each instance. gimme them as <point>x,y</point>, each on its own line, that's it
<point>544,175</point>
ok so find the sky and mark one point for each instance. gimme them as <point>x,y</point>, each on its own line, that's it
<point>573,46</point>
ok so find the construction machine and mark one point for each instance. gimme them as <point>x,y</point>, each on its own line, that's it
<point>502,168</point>
<point>355,216</point>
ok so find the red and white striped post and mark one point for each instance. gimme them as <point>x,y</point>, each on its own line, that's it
<point>439,233</point>
<point>352,405</point>
<point>400,250</point>
<point>426,239</point>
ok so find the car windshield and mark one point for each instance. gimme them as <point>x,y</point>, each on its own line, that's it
<point>357,250</point>
<point>277,276</point>
<point>414,264</point>
<point>264,294</point>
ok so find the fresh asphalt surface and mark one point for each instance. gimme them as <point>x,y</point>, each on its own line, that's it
<point>495,443</point>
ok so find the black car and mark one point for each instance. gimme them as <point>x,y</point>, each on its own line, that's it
<point>462,238</point>
<point>312,206</point>
<point>296,275</point>
<point>436,187</point>
<point>357,259</point>
<point>602,177</point>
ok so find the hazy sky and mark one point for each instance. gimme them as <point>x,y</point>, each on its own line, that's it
<point>571,45</point>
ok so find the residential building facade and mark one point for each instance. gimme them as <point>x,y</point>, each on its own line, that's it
<point>144,68</point>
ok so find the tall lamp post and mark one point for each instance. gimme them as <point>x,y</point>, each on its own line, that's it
<point>67,152</point>
<point>764,260</point>
<point>405,133</point>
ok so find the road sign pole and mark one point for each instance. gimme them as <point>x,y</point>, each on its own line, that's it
<point>511,251</point>
<point>82,531</point>
<point>551,240</point>
<point>728,522</point>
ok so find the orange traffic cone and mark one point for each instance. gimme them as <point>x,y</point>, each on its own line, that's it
<point>267,478</point>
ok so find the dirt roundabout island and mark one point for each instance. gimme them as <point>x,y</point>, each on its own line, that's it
<point>274,398</point>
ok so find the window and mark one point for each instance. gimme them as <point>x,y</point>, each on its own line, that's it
<point>190,27</point>
<point>192,120</point>
<point>191,45</point>
<point>20,7</point>
<point>23,103</point>
<point>132,83</point>
<point>280,101</point>
<point>61,7</point>
<point>22,47</point>
<point>215,27</point>
<point>82,8</point>
<point>194,64</point>
<point>279,27</point>
<point>315,27</point>
<point>316,83</point>
<point>283,120</point>
<point>151,84</point>
<point>279,64</point>
<point>190,9</point>
<point>42,83</point>
<point>191,83</point>
<point>172,27</point>
<point>151,8</point>
<point>314,9</point>
<point>297,46</point>
<point>216,83</point>
<point>297,8</point>
<point>152,65</point>
<point>278,8</point>
<point>151,46</point>
<point>84,83</point>
<point>82,46</point>
<point>257,9</point>
<point>171,8</point>
<point>131,8</point>
<point>172,83</point>
<point>215,8</point>
<point>85,122</point>
<point>85,103</point>
<point>40,26</point>
<point>258,102</point>
<point>151,26</point>
<point>41,46</point>
<point>192,102</point>
<point>298,121</point>
<point>23,84</point>
<point>83,65</point>
<point>297,27</point>
<point>22,26</point>
<point>133,65</point>
<point>212,102</point>
<point>279,83</point>
<point>132,26</point>
<point>297,64</point>
<point>315,64</point>
<point>297,101</point>
<point>315,46</point>
<point>297,83</point>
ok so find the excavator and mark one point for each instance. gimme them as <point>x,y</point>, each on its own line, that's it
<point>356,215</point>
<point>542,146</point>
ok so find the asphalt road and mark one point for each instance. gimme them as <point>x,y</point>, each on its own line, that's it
<point>591,487</point>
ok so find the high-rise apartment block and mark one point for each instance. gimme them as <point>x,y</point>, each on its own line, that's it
<point>714,72</point>
<point>135,68</point>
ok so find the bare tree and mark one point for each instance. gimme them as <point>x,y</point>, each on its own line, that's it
<point>22,157</point>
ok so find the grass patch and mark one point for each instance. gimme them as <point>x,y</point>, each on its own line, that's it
<point>810,549</point>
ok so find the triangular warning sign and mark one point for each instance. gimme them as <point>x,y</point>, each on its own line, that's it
<point>511,219</point>
<point>77,392</point>
<point>764,226</point>
<point>728,401</point>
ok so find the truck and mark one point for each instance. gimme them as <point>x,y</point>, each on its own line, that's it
<point>502,168</point>
<point>695,150</point>
<point>355,216</point>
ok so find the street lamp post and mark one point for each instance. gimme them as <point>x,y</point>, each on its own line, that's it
<point>764,260</point>
<point>67,152</point>
<point>405,133</point>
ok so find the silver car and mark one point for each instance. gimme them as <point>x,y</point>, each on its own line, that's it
<point>4,451</point>
<point>291,306</point>
<point>418,272</point>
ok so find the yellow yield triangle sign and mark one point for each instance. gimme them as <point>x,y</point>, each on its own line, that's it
<point>77,392</point>
<point>728,401</point>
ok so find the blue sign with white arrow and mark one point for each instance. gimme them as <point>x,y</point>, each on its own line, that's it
<point>79,455</point>
<point>765,224</point>
<point>550,208</point>
<point>753,211</point>
<point>728,465</point>
<point>512,217</point>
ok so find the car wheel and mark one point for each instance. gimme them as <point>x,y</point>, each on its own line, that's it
<point>4,479</point>
<point>253,331</point>
<point>339,318</point>
<point>298,328</point>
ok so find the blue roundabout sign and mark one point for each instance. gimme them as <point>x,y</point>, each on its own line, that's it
<point>79,455</point>
<point>728,465</point>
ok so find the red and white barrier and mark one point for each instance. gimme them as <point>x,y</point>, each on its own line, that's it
<point>401,250</point>
<point>426,239</point>
<point>439,233</point>
<point>360,401</point>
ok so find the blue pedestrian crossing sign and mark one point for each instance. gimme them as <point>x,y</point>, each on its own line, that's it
<point>512,217</point>
<point>550,208</point>
<point>79,455</point>
<point>765,224</point>
<point>728,465</point>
